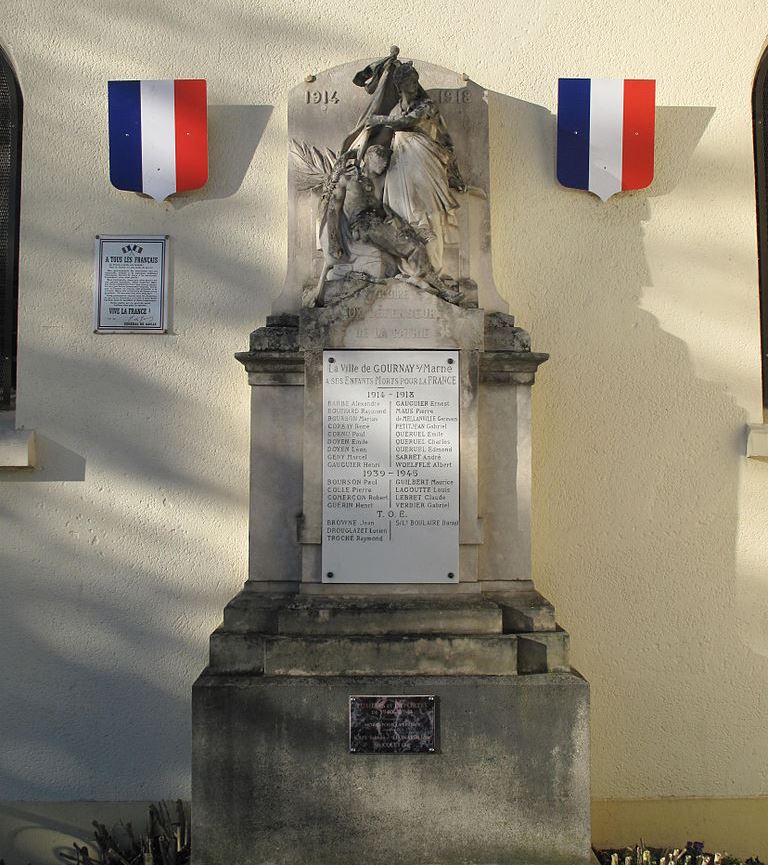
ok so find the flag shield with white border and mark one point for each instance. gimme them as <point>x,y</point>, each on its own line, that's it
<point>158,136</point>
<point>605,134</point>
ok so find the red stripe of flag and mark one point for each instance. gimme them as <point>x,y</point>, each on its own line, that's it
<point>639,123</point>
<point>191,108</point>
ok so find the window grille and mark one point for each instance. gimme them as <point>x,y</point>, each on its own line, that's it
<point>760,129</point>
<point>10,190</point>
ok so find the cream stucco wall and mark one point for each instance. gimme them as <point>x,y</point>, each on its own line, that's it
<point>650,530</point>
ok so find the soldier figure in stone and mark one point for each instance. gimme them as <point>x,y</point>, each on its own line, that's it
<point>359,194</point>
<point>355,212</point>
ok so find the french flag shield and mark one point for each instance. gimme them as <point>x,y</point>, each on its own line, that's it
<point>605,134</point>
<point>158,136</point>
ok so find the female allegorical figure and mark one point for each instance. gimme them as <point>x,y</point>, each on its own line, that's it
<point>423,170</point>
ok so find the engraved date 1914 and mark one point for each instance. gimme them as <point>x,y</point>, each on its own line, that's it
<point>322,97</point>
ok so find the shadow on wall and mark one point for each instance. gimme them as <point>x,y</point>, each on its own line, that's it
<point>636,459</point>
<point>107,632</point>
<point>106,636</point>
<point>87,713</point>
<point>234,132</point>
<point>111,644</point>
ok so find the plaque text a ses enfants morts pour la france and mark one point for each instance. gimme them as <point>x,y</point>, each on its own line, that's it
<point>391,466</point>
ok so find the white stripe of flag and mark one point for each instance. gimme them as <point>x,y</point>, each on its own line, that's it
<point>158,124</point>
<point>606,132</point>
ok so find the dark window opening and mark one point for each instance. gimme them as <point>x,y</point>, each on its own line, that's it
<point>10,193</point>
<point>760,129</point>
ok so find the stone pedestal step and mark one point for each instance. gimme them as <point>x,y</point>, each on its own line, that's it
<point>446,655</point>
<point>363,656</point>
<point>251,611</point>
<point>524,611</point>
<point>508,612</point>
<point>323,616</point>
<point>506,634</point>
<point>543,652</point>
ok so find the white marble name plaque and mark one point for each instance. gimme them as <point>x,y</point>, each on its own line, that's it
<point>390,467</point>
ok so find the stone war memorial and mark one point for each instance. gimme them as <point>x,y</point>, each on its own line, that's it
<point>389,687</point>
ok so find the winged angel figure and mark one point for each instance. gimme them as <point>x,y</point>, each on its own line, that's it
<point>386,197</point>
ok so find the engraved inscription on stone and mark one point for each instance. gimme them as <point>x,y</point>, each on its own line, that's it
<point>390,467</point>
<point>399,317</point>
<point>392,725</point>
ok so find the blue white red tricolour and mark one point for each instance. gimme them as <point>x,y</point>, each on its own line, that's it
<point>605,134</point>
<point>158,136</point>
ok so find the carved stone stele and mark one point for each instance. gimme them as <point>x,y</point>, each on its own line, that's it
<point>323,113</point>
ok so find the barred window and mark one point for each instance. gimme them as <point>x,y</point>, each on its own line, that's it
<point>760,128</point>
<point>10,191</point>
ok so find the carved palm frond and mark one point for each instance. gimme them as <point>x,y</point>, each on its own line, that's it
<point>312,165</point>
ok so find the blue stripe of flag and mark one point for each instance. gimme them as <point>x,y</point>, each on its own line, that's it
<point>125,135</point>
<point>573,132</point>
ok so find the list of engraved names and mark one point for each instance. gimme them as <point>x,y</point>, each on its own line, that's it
<point>390,466</point>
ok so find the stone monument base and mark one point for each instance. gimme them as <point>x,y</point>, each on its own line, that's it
<point>273,777</point>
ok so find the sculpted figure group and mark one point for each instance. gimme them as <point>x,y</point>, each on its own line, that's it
<point>388,198</point>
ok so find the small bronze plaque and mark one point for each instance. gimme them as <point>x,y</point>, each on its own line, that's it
<point>392,724</point>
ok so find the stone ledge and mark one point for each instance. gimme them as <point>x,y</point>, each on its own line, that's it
<point>396,656</point>
<point>347,613</point>
<point>275,634</point>
<point>757,441</point>
<point>510,367</point>
<point>364,656</point>
<point>373,590</point>
<point>525,611</point>
<point>17,449</point>
<point>273,356</point>
<point>273,367</point>
<point>254,612</point>
<point>380,617</point>
<point>237,652</point>
<point>543,652</point>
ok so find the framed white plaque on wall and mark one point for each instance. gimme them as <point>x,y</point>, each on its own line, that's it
<point>131,284</point>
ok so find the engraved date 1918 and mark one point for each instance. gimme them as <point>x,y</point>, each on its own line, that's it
<point>322,97</point>
<point>444,97</point>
